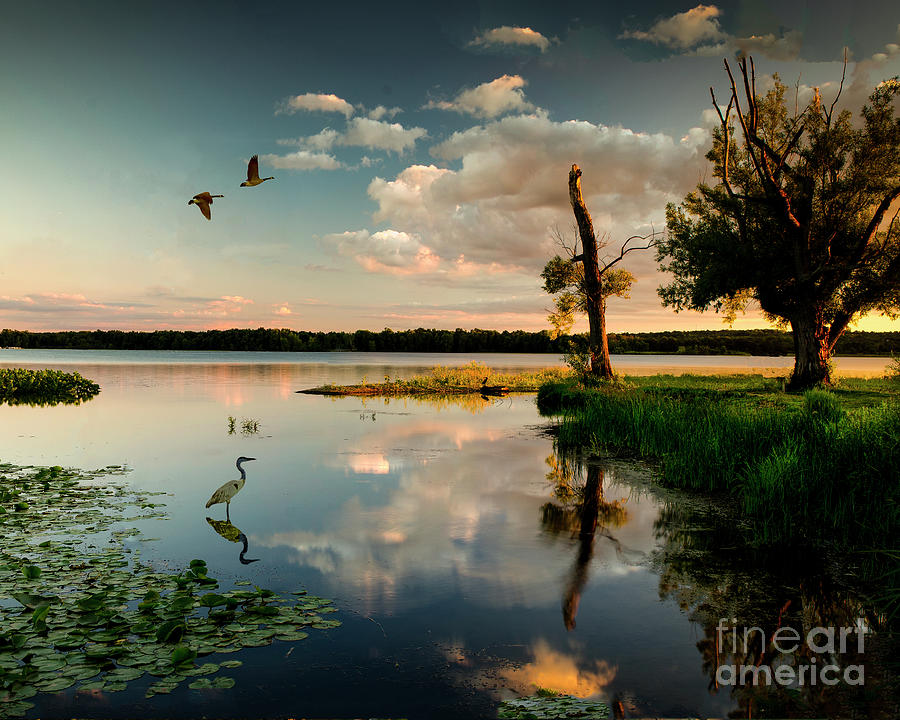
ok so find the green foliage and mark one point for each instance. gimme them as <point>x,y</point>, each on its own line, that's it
<point>249,426</point>
<point>578,357</point>
<point>44,387</point>
<point>564,279</point>
<point>822,406</point>
<point>550,705</point>
<point>804,241</point>
<point>694,342</point>
<point>893,369</point>
<point>724,249</point>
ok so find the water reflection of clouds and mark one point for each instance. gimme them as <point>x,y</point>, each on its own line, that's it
<point>561,672</point>
<point>570,671</point>
<point>368,464</point>
<point>466,522</point>
<point>392,448</point>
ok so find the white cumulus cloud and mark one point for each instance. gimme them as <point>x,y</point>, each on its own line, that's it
<point>315,102</point>
<point>388,251</point>
<point>381,111</point>
<point>506,36</point>
<point>365,132</point>
<point>683,30</point>
<point>489,100</point>
<point>303,160</point>
<point>697,32</point>
<point>497,211</point>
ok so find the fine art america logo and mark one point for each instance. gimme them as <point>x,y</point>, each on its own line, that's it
<point>801,661</point>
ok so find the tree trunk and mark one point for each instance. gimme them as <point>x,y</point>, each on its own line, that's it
<point>812,352</point>
<point>590,514</point>
<point>596,306</point>
<point>601,365</point>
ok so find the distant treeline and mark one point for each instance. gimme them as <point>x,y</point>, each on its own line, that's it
<point>694,342</point>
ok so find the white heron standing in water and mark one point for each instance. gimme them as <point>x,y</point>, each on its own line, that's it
<point>225,493</point>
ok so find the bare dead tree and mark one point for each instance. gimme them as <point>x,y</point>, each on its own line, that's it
<point>601,278</point>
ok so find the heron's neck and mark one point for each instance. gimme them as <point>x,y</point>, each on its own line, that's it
<point>243,474</point>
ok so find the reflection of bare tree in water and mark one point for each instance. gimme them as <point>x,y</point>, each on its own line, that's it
<point>715,569</point>
<point>582,511</point>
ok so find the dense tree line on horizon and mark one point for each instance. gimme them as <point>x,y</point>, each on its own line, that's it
<point>692,342</point>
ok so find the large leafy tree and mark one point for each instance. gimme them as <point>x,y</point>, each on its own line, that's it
<point>803,218</point>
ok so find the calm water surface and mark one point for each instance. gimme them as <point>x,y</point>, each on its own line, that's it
<point>449,535</point>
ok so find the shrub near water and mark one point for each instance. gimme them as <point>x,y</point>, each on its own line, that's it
<point>796,471</point>
<point>44,387</point>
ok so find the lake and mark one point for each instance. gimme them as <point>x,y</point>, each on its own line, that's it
<point>449,534</point>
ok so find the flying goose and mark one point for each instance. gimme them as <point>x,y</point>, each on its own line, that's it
<point>203,201</point>
<point>253,177</point>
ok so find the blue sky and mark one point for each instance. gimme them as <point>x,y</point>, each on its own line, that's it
<point>420,154</point>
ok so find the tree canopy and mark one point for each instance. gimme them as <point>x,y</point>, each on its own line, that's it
<point>803,219</point>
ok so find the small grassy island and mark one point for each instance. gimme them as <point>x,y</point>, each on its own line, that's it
<point>471,378</point>
<point>19,386</point>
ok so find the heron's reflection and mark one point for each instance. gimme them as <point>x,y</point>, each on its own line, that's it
<point>232,534</point>
<point>583,511</point>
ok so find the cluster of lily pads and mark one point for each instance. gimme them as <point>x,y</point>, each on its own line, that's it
<point>546,704</point>
<point>96,617</point>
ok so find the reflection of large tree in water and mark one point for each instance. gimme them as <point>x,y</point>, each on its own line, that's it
<point>714,568</point>
<point>580,510</point>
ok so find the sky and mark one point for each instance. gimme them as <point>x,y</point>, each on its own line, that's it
<point>420,153</point>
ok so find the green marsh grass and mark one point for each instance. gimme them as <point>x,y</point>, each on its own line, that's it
<point>44,387</point>
<point>800,466</point>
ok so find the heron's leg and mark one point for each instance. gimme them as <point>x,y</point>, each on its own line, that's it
<point>227,509</point>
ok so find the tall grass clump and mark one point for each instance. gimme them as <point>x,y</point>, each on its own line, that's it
<point>893,368</point>
<point>44,387</point>
<point>822,405</point>
<point>811,469</point>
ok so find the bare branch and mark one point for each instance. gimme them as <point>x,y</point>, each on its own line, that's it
<point>743,120</point>
<point>761,164</point>
<point>840,89</point>
<point>725,120</point>
<point>872,227</point>
<point>570,250</point>
<point>653,239</point>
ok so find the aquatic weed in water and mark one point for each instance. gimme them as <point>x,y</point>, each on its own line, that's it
<point>98,618</point>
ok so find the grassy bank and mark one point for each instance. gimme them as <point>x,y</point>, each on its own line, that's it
<point>44,387</point>
<point>448,381</point>
<point>819,464</point>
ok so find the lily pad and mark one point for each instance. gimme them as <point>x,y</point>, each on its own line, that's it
<point>113,618</point>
